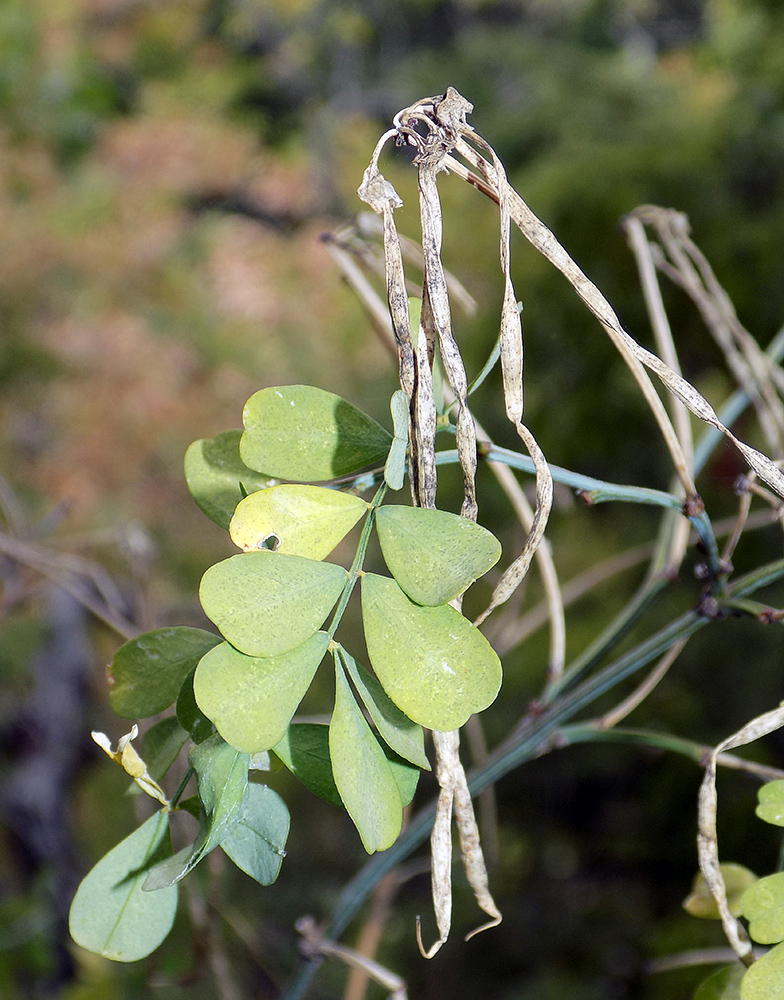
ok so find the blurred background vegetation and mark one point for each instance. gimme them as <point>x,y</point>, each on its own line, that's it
<point>166,170</point>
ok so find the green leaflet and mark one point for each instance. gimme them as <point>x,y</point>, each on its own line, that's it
<point>434,555</point>
<point>395,468</point>
<point>433,663</point>
<point>763,906</point>
<point>218,478</point>
<point>295,520</point>
<point>266,603</point>
<point>161,745</point>
<point>304,750</point>
<point>765,979</point>
<point>700,901</point>
<point>222,775</point>
<point>190,716</point>
<point>110,915</point>
<point>147,672</point>
<point>303,433</point>
<point>256,844</point>
<point>724,984</point>
<point>405,737</point>
<point>251,699</point>
<point>771,802</point>
<point>362,773</point>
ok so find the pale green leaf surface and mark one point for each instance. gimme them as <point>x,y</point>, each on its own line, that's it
<point>295,520</point>
<point>266,603</point>
<point>304,750</point>
<point>222,776</point>
<point>303,433</point>
<point>434,555</point>
<point>763,906</point>
<point>771,802</point>
<point>724,984</point>
<point>700,901</point>
<point>405,737</point>
<point>395,468</point>
<point>110,915</point>
<point>433,663</point>
<point>251,699</point>
<point>147,672</point>
<point>257,843</point>
<point>214,472</point>
<point>406,775</point>
<point>362,772</point>
<point>765,979</point>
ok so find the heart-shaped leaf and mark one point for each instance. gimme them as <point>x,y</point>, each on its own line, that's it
<point>257,842</point>
<point>771,802</point>
<point>765,979</point>
<point>303,433</point>
<point>763,906</point>
<point>398,731</point>
<point>217,476</point>
<point>266,603</point>
<point>295,520</point>
<point>434,555</point>
<point>251,699</point>
<point>362,772</point>
<point>110,915</point>
<point>222,775</point>
<point>305,751</point>
<point>432,662</point>
<point>147,672</point>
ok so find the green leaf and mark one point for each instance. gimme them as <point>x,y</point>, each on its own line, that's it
<point>406,775</point>
<point>395,468</point>
<point>304,750</point>
<point>434,555</point>
<point>362,772</point>
<point>214,472</point>
<point>251,699</point>
<point>763,906</point>
<point>724,984</point>
<point>295,520</point>
<point>401,734</point>
<point>433,663</point>
<point>302,433</point>
<point>266,603</point>
<point>190,716</point>
<point>162,744</point>
<point>222,776</point>
<point>771,802</point>
<point>765,979</point>
<point>257,842</point>
<point>147,672</point>
<point>110,915</point>
<point>700,902</point>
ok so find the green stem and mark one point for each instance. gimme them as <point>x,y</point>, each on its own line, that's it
<point>359,558</point>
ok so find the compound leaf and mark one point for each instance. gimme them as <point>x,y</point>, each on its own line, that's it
<point>147,672</point>
<point>303,433</point>
<point>218,478</point>
<point>251,699</point>
<point>405,737</point>
<point>222,775</point>
<point>434,555</point>
<point>763,906</point>
<point>257,843</point>
<point>432,662</point>
<point>266,603</point>
<point>295,520</point>
<point>362,772</point>
<point>304,750</point>
<point>110,915</point>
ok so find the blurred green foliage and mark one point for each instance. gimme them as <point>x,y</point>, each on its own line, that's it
<point>165,170</point>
